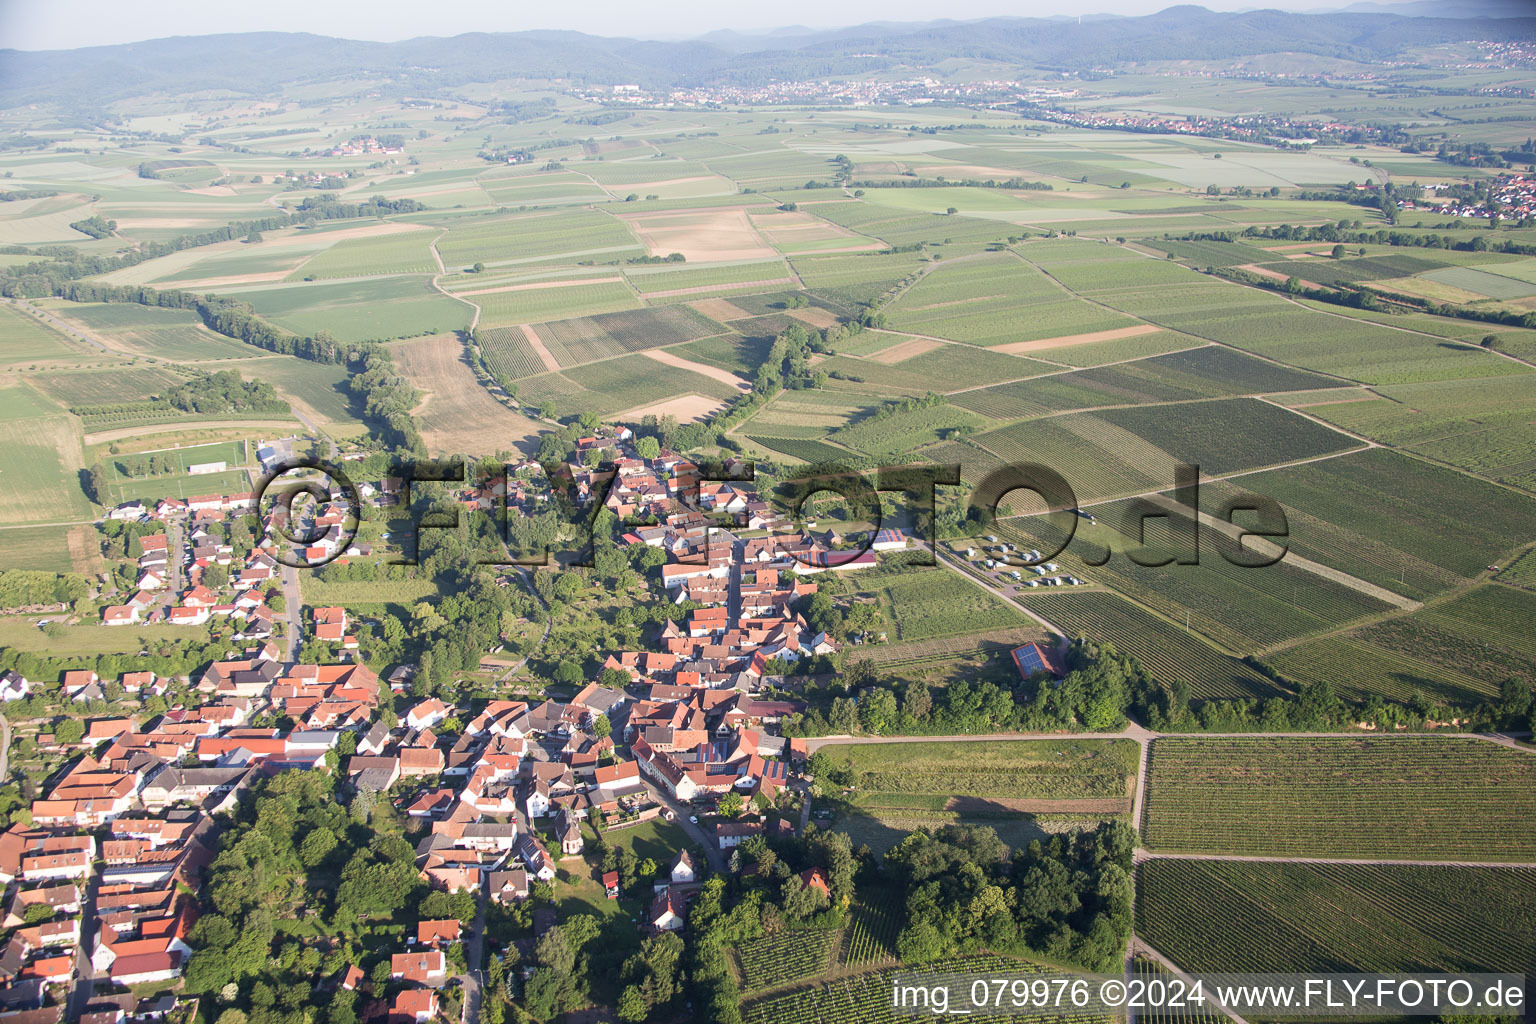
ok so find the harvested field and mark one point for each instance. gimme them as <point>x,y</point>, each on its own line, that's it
<point>686,409</point>
<point>904,350</point>
<point>720,309</point>
<point>1019,348</point>
<point>1254,268</point>
<point>702,236</point>
<point>821,319</point>
<point>457,415</point>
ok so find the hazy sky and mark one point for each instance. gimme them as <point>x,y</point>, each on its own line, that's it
<point>65,24</point>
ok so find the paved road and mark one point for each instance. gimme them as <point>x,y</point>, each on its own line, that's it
<point>83,984</point>
<point>5,747</point>
<point>290,579</point>
<point>681,813</point>
<point>473,980</point>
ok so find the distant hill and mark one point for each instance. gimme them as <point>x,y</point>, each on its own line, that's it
<point>258,64</point>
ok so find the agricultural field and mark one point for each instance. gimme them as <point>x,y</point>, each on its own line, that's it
<point>924,603</point>
<point>1228,916</point>
<point>535,237</point>
<point>627,384</point>
<point>866,998</point>
<point>1394,797</point>
<point>995,299</point>
<point>586,339</point>
<point>28,340</point>
<point>41,462</point>
<point>1335,512</point>
<point>1000,775</point>
<point>508,352</point>
<point>1268,325</point>
<point>789,956</point>
<point>171,334</point>
<point>853,281</point>
<point>873,924</point>
<point>372,309</point>
<point>1123,451</point>
<point>1170,652</point>
<point>75,388</point>
<point>406,252</point>
<point>800,449</point>
<point>905,431</point>
<point>528,304</point>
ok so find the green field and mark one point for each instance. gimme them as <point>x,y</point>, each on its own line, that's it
<point>375,309</point>
<point>1133,450</point>
<point>1395,797</point>
<point>924,603</point>
<point>531,305</point>
<point>995,299</point>
<point>1336,511</point>
<point>507,352</point>
<point>616,385</point>
<point>404,253</point>
<point>24,339</point>
<point>789,956</point>
<point>535,237</point>
<point>41,461</point>
<point>1168,651</point>
<point>1214,916</point>
<point>584,339</point>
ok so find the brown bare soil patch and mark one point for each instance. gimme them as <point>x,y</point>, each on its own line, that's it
<point>687,408</point>
<point>705,289</point>
<point>550,362</point>
<point>702,236</point>
<point>539,285</point>
<point>235,279</point>
<point>712,372</point>
<point>458,415</point>
<point>904,350</point>
<point>720,309</point>
<point>1018,348</point>
<point>814,315</point>
<point>1254,268</point>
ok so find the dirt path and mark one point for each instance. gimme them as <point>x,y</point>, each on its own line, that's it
<point>1271,550</point>
<point>550,363</point>
<point>535,286</point>
<point>706,289</point>
<point>1019,348</point>
<point>712,372</point>
<point>1137,945</point>
<point>124,433</point>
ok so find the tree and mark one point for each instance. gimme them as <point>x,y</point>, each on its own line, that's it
<point>568,672</point>
<point>478,268</point>
<point>253,238</point>
<point>70,731</point>
<point>730,804</point>
<point>1338,252</point>
<point>647,447</point>
<point>96,483</point>
<point>601,727</point>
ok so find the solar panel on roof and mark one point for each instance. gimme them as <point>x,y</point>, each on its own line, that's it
<point>1029,659</point>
